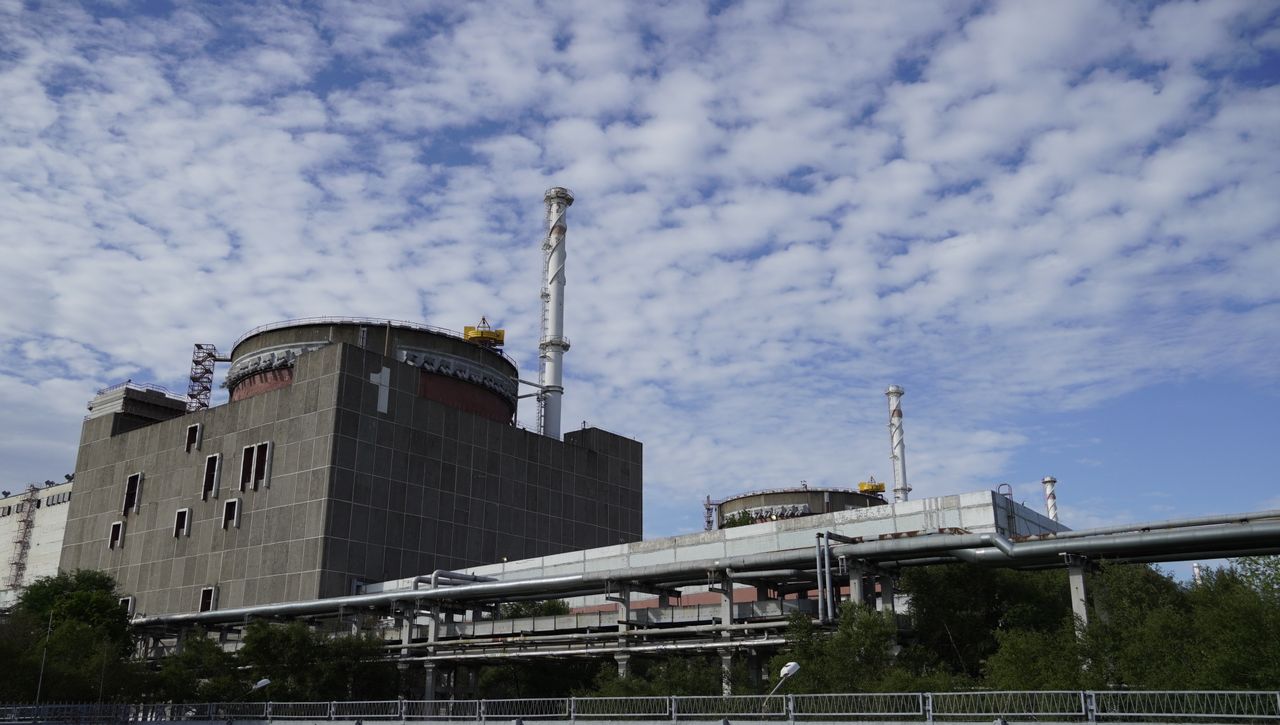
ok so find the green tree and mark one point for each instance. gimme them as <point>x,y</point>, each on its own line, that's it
<point>857,657</point>
<point>305,665</point>
<point>546,608</point>
<point>1036,660</point>
<point>200,671</point>
<point>677,674</point>
<point>1261,573</point>
<point>958,610</point>
<point>71,628</point>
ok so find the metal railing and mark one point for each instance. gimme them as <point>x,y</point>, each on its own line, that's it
<point>944,707</point>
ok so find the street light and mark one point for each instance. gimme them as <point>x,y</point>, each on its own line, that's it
<point>788,670</point>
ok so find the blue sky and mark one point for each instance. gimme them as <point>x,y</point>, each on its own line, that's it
<point>1055,224</point>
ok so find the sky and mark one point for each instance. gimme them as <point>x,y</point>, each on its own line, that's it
<point>1054,224</point>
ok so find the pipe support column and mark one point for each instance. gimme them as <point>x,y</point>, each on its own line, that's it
<point>1076,567</point>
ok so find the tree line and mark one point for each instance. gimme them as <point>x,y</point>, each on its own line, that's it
<point>968,628</point>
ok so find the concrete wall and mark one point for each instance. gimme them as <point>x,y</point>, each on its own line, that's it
<point>421,486</point>
<point>275,552</point>
<point>48,525</point>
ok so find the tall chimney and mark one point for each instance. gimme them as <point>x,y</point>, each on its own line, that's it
<point>1050,497</point>
<point>553,345</point>
<point>897,449</point>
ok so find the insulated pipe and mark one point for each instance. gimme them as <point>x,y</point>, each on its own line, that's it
<point>1050,498</point>
<point>608,649</point>
<point>832,612</point>
<point>449,577</point>
<point>817,561</point>
<point>897,448</point>
<point>1132,545</point>
<point>641,633</point>
<point>553,345</point>
<point>1173,524</point>
<point>979,548</point>
<point>550,585</point>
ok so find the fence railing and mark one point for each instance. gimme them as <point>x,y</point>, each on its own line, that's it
<point>1126,706</point>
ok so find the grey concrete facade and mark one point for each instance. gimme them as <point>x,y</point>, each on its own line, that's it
<point>364,480</point>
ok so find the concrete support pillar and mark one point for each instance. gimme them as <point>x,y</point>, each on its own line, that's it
<point>405,619</point>
<point>624,664</point>
<point>428,680</point>
<point>726,672</point>
<point>1076,567</point>
<point>433,625</point>
<point>623,598</point>
<point>857,588</point>
<point>857,581</point>
<point>726,603</point>
<point>885,603</point>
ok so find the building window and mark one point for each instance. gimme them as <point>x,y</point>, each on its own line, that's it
<point>194,436</point>
<point>116,538</point>
<point>231,514</point>
<point>182,523</point>
<point>212,472</point>
<point>208,599</point>
<point>57,498</point>
<point>6,510</point>
<point>126,603</point>
<point>255,467</point>
<point>132,494</point>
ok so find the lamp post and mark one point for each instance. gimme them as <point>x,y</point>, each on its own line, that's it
<point>787,671</point>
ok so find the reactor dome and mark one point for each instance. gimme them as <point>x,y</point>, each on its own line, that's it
<point>455,371</point>
<point>787,503</point>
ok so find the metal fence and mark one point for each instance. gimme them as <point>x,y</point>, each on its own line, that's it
<point>1056,706</point>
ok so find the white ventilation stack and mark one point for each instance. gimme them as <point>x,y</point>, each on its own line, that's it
<point>1050,496</point>
<point>553,345</point>
<point>898,449</point>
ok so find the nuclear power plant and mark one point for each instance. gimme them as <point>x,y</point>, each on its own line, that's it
<point>369,474</point>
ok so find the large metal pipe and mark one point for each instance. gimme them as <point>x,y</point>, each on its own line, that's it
<point>832,612</point>
<point>1130,545</point>
<point>897,448</point>
<point>553,345</point>
<point>1241,518</point>
<point>449,577</point>
<point>976,548</point>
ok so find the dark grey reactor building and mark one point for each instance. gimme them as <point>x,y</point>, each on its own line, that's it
<point>350,451</point>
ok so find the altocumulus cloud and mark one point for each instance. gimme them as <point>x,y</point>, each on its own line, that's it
<point>1008,208</point>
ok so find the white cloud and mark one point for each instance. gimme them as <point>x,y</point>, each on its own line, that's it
<point>1008,208</point>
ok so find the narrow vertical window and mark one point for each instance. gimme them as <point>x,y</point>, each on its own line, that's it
<point>208,599</point>
<point>231,514</point>
<point>116,538</point>
<point>246,467</point>
<point>212,472</point>
<point>262,466</point>
<point>182,523</point>
<point>126,603</point>
<point>132,494</point>
<point>193,437</point>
